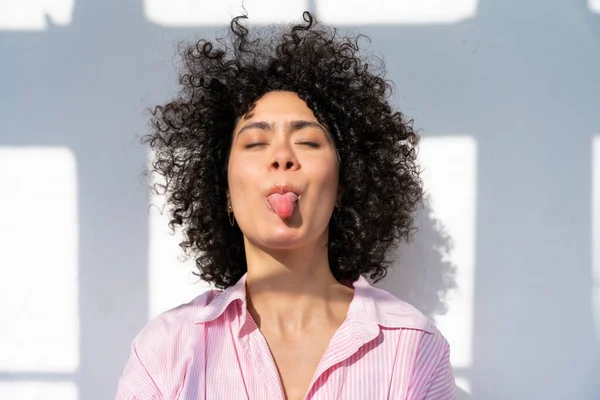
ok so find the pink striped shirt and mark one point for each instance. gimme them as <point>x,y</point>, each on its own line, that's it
<point>211,348</point>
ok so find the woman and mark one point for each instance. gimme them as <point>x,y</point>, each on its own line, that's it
<point>292,178</point>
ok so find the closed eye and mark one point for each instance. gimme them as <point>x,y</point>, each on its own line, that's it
<point>311,144</point>
<point>251,145</point>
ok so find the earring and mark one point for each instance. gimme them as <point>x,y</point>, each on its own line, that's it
<point>230,216</point>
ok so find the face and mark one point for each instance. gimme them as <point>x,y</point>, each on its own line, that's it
<point>279,144</point>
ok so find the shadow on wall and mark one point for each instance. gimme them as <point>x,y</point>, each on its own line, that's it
<point>422,273</point>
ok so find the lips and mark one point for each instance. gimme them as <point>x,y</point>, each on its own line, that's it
<point>282,189</point>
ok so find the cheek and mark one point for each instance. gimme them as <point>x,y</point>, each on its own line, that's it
<point>326,176</point>
<point>234,177</point>
<point>241,174</point>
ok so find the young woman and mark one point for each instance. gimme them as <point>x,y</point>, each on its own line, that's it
<point>291,177</point>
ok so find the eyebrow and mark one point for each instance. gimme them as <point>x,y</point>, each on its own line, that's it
<point>293,126</point>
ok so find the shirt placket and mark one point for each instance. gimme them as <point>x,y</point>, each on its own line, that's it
<point>347,340</point>
<point>258,353</point>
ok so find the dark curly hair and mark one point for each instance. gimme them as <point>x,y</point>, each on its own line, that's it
<point>221,80</point>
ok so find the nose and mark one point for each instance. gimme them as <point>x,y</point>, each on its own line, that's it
<point>283,158</point>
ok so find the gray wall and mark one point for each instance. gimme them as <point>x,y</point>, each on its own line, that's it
<point>522,77</point>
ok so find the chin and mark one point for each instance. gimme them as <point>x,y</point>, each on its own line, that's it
<point>279,238</point>
<point>282,241</point>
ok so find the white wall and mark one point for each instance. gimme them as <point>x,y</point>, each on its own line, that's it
<point>507,259</point>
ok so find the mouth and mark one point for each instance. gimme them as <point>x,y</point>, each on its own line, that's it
<point>282,189</point>
<point>282,200</point>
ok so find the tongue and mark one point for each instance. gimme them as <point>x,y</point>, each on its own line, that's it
<point>283,204</point>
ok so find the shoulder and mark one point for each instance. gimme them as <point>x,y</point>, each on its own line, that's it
<point>422,361</point>
<point>433,376</point>
<point>390,311</point>
<point>382,307</point>
<point>161,351</point>
<point>433,346</point>
<point>174,324</point>
<point>429,341</point>
<point>167,339</point>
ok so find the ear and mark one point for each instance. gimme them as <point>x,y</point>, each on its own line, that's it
<point>228,198</point>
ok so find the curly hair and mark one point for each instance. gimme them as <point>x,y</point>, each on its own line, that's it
<point>220,81</point>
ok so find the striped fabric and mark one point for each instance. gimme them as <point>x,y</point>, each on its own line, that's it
<point>211,348</point>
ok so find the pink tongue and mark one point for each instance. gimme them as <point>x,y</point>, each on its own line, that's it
<point>283,204</point>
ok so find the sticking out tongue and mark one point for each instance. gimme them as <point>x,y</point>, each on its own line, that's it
<point>283,204</point>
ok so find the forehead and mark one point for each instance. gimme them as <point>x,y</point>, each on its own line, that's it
<point>279,104</point>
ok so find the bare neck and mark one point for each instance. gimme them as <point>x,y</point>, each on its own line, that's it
<point>293,292</point>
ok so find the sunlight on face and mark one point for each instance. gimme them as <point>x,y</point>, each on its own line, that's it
<point>38,260</point>
<point>31,15</point>
<point>281,142</point>
<point>205,12</point>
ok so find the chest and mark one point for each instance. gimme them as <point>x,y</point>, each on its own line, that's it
<point>251,368</point>
<point>297,361</point>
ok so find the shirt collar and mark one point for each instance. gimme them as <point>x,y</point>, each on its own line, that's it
<point>219,303</point>
<point>374,305</point>
<point>370,305</point>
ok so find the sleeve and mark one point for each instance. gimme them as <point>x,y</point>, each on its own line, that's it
<point>441,384</point>
<point>160,355</point>
<point>136,383</point>
<point>433,378</point>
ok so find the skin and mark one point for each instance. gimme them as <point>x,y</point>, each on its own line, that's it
<point>292,295</point>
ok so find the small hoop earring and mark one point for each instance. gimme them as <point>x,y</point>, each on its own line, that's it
<point>230,216</point>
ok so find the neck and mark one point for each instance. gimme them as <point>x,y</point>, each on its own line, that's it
<point>291,292</point>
